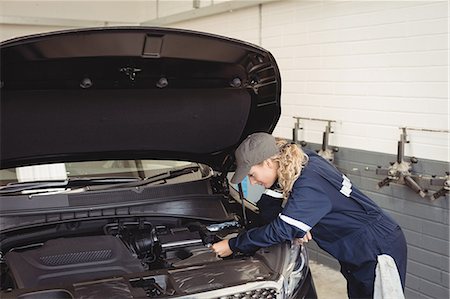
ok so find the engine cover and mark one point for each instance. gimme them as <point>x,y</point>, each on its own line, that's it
<point>69,260</point>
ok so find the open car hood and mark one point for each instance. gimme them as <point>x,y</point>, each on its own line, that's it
<point>133,93</point>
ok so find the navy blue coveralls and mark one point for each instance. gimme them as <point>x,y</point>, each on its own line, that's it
<point>343,221</point>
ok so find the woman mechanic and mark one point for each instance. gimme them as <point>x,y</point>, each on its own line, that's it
<point>321,200</point>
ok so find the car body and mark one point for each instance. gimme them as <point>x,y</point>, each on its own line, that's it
<point>116,145</point>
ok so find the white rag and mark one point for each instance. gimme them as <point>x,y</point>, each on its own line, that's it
<point>387,280</point>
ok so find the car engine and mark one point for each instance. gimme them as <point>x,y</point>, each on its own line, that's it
<point>123,248</point>
<point>71,259</point>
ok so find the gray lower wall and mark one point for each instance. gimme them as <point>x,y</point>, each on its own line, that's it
<point>424,222</point>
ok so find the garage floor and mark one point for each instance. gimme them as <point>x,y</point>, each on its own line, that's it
<point>330,284</point>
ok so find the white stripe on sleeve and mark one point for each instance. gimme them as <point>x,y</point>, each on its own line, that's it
<point>346,186</point>
<point>298,224</point>
<point>272,193</point>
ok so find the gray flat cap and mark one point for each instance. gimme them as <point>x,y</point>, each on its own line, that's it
<point>256,148</point>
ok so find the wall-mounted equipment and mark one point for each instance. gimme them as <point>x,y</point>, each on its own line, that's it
<point>326,151</point>
<point>400,171</point>
<point>444,182</point>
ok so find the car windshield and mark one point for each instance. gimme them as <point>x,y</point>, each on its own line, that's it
<point>113,169</point>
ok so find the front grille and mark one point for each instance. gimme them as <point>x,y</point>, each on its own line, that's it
<point>266,293</point>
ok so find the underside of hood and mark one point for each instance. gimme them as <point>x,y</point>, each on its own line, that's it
<point>133,93</point>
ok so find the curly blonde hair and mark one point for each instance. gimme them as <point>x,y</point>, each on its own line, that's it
<point>291,161</point>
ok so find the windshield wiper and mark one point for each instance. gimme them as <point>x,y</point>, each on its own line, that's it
<point>151,179</point>
<point>66,184</point>
<point>94,183</point>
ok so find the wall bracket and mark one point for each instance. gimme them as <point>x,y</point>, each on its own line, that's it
<point>326,151</point>
<point>400,171</point>
<point>444,182</point>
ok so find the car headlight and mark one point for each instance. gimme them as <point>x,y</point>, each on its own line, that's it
<point>296,270</point>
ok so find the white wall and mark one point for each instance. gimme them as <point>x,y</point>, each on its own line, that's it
<point>99,10</point>
<point>373,66</point>
<point>46,16</point>
<point>241,24</point>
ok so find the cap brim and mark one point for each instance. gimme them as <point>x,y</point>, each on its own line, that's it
<point>240,174</point>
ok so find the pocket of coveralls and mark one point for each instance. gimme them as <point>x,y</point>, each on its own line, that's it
<point>385,232</point>
<point>357,248</point>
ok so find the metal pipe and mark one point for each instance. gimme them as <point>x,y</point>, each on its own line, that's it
<point>400,151</point>
<point>241,195</point>
<point>426,130</point>
<point>401,146</point>
<point>325,141</point>
<point>413,185</point>
<point>315,119</point>
<point>295,131</point>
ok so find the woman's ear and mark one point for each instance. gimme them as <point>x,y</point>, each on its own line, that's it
<point>269,163</point>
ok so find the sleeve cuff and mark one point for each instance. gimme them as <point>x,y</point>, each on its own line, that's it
<point>232,244</point>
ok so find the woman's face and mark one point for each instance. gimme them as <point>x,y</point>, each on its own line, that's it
<point>264,174</point>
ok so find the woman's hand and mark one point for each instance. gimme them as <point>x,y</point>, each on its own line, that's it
<point>222,249</point>
<point>306,238</point>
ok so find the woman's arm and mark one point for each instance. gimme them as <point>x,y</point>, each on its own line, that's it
<point>222,248</point>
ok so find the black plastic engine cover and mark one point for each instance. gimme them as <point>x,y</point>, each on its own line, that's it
<point>68,260</point>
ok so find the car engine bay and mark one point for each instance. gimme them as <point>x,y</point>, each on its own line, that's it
<point>132,257</point>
